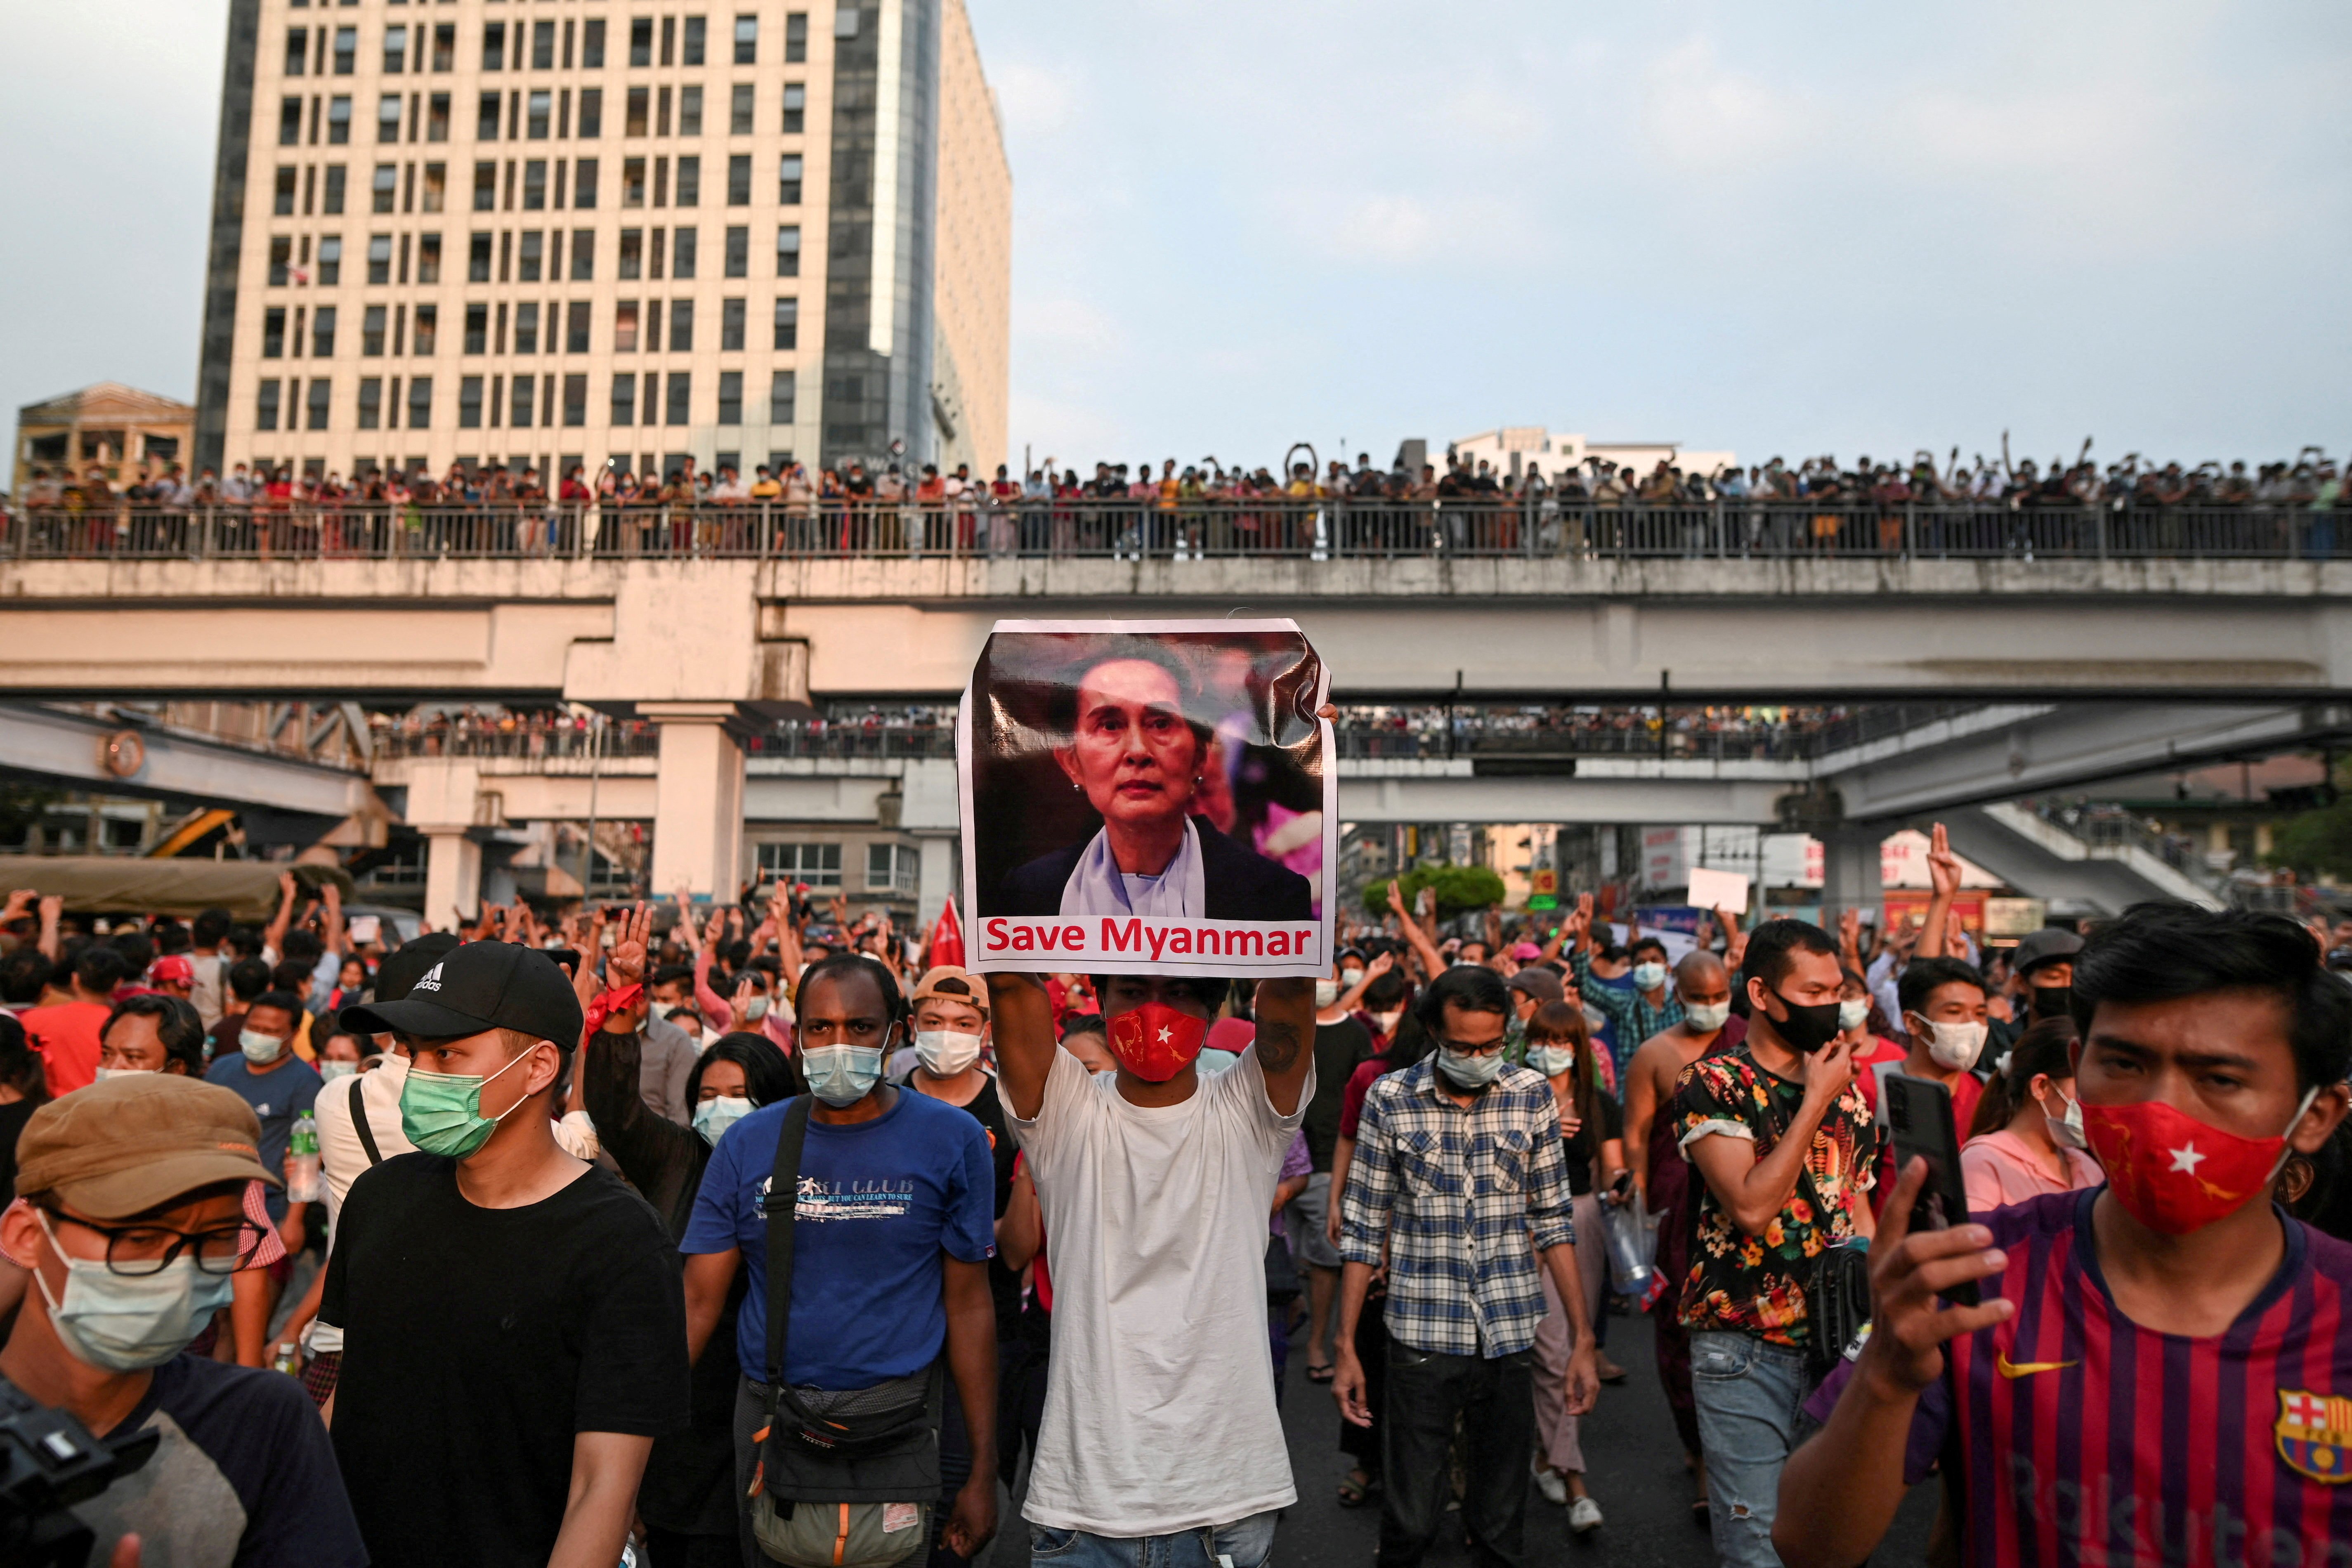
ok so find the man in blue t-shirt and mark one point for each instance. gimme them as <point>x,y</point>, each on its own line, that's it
<point>895,1225</point>
<point>280,1085</point>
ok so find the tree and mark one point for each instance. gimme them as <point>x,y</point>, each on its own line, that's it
<point>2315,842</point>
<point>1460,888</point>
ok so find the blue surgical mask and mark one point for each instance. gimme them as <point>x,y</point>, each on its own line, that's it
<point>755,1007</point>
<point>119,1325</point>
<point>329,1071</point>
<point>1648,975</point>
<point>260,1049</point>
<point>1469,1069</point>
<point>713,1117</point>
<point>1552,1060</point>
<point>1854,1012</point>
<point>842,1075</point>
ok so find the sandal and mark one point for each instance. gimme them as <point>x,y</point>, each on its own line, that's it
<point>1354,1493</point>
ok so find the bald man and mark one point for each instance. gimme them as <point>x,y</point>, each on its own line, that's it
<point>1704,987</point>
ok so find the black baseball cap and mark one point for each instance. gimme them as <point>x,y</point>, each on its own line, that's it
<point>2047,945</point>
<point>482,986</point>
<point>404,968</point>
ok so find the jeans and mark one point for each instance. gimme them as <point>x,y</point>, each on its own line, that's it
<point>1244,1543</point>
<point>1494,1396</point>
<point>1750,1398</point>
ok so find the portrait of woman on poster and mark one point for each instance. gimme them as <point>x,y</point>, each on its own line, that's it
<point>1129,744</point>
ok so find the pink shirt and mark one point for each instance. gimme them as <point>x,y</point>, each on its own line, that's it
<point>2000,1168</point>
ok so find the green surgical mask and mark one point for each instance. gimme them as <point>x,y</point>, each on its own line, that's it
<point>441,1112</point>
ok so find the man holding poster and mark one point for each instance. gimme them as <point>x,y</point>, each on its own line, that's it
<point>1161,1441</point>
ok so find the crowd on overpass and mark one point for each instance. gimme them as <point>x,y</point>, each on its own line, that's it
<point>1819,505</point>
<point>499,1191</point>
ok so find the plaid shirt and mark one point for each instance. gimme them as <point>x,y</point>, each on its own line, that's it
<point>1632,1018</point>
<point>1465,1200</point>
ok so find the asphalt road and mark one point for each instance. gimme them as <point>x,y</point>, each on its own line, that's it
<point>1637,1477</point>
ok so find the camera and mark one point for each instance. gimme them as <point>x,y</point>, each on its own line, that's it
<point>49,1462</point>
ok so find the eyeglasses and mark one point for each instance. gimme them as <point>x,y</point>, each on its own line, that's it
<point>138,1251</point>
<point>1465,1048</point>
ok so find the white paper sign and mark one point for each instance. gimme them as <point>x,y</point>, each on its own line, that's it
<point>1724,891</point>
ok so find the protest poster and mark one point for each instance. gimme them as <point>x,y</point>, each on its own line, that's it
<point>1148,797</point>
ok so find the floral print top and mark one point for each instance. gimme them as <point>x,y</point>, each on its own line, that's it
<point>1746,1284</point>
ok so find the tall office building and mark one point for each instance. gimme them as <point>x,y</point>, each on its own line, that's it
<point>561,231</point>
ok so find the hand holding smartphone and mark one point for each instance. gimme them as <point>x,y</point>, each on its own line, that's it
<point>1919,1113</point>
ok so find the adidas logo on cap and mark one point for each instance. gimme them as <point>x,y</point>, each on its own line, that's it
<point>430,980</point>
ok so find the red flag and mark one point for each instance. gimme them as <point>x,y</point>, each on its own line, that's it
<point>947,939</point>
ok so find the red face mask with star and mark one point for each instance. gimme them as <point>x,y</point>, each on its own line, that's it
<point>1154,1041</point>
<point>2175,1173</point>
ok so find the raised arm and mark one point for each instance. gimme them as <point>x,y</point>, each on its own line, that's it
<point>1753,1191</point>
<point>1286,1039</point>
<point>1944,885</point>
<point>1423,949</point>
<point>1024,1028</point>
<point>273,936</point>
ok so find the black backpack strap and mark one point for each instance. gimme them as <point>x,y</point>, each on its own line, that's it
<point>784,1199</point>
<point>357,1101</point>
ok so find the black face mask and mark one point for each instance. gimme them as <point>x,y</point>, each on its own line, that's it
<point>1807,1028</point>
<point>2052,1001</point>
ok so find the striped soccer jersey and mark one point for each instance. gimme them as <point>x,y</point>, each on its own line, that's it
<point>2076,1437</point>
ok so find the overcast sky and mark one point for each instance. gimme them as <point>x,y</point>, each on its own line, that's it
<point>1241,223</point>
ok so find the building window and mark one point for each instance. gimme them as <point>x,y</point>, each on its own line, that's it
<point>738,252</point>
<point>420,394</point>
<point>731,325</point>
<point>428,332</point>
<point>592,113</point>
<point>583,185</point>
<point>681,253</point>
<point>428,258</point>
<point>322,336</point>
<point>788,325</point>
<point>494,46</point>
<point>281,258</point>
<point>624,398</point>
<point>347,57</point>
<point>478,329</point>
<point>372,332</point>
<point>575,401</point>
<point>681,326</point>
<point>538,108</point>
<point>690,111</point>
<point>633,182</point>
<point>795,102</point>
<point>747,40</point>
<point>339,121</point>
<point>371,402</point>
<point>892,868</point>
<point>740,109</point>
<point>592,45</point>
<point>780,398</point>
<point>534,185</point>
<point>796,37</point>
<point>528,256</point>
<point>542,46</point>
<point>273,332</point>
<point>332,201</point>
<point>437,185</point>
<point>470,403</point>
<point>730,397</point>
<point>436,118</point>
<point>330,260</point>
<point>680,399</point>
<point>641,41</point>
<point>527,328</point>
<point>395,60</point>
<point>691,45</point>
<point>633,254</point>
<point>290,123</point>
<point>521,396</point>
<point>689,182</point>
<point>788,250</point>
<point>317,391</point>
<point>264,403</point>
<point>788,180</point>
<point>282,193</point>
<point>575,331</point>
<point>383,192</point>
<point>298,51</point>
<point>387,118</point>
<point>486,117</point>
<point>584,255</point>
<point>625,326</point>
<point>818,865</point>
<point>739,182</point>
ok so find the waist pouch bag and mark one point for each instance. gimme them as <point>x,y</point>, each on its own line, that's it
<point>1837,1286</point>
<point>845,1479</point>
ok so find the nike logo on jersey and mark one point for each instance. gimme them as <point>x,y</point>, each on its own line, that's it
<point>2015,1369</point>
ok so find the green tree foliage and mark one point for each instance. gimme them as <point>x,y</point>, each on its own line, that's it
<point>2315,843</point>
<point>1460,888</point>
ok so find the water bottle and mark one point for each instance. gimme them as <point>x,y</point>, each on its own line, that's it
<point>302,1161</point>
<point>288,1360</point>
<point>1629,1251</point>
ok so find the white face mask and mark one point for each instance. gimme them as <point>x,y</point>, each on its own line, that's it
<point>1326,993</point>
<point>754,1009</point>
<point>1649,976</point>
<point>329,1071</point>
<point>105,1073</point>
<point>945,1052</point>
<point>2066,1130</point>
<point>124,1325</point>
<point>1705,1018</point>
<point>1854,1013</point>
<point>1552,1060</point>
<point>1350,978</point>
<point>1954,1046</point>
<point>260,1049</point>
<point>1388,1020</point>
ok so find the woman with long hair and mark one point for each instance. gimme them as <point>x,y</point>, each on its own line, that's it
<point>1559,1046</point>
<point>2026,1137</point>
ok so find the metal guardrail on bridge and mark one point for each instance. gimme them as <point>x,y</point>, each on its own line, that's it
<point>1210,528</point>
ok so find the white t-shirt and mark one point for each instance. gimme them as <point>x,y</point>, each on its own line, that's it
<point>341,1156</point>
<point>1160,1412</point>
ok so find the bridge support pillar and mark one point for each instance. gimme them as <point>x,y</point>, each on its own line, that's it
<point>1851,878</point>
<point>698,800</point>
<point>453,878</point>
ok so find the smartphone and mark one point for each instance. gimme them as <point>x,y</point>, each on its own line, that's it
<point>1919,1114</point>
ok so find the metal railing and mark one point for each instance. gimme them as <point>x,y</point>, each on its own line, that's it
<point>527,740</point>
<point>1336,528</point>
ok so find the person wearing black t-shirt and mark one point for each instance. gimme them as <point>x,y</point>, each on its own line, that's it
<point>1340,1043</point>
<point>514,1330</point>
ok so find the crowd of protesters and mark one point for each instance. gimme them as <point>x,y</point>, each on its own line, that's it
<point>502,1203</point>
<point>1817,505</point>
